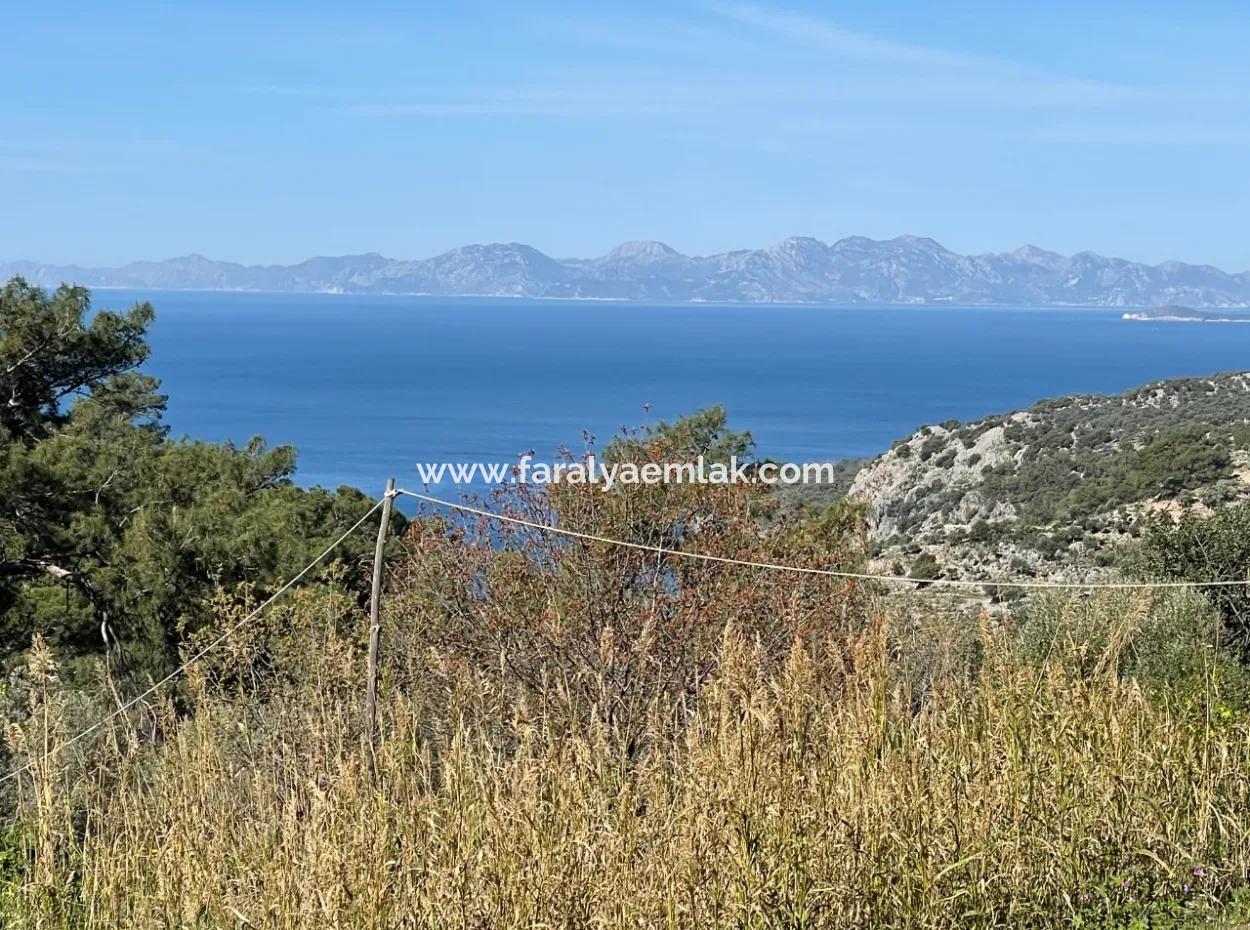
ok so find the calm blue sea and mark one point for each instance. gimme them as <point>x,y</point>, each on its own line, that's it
<point>366,386</point>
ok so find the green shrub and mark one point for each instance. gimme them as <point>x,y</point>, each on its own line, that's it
<point>930,447</point>
<point>1204,548</point>
<point>1169,640</point>
<point>925,568</point>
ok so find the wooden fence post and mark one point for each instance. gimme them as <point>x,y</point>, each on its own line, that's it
<point>375,625</point>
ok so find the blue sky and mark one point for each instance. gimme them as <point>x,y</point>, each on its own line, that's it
<point>274,131</point>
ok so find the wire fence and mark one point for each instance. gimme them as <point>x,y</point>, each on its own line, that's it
<point>202,652</point>
<point>980,584</point>
<point>976,583</point>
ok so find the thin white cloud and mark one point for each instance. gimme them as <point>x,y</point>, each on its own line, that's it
<point>746,66</point>
<point>846,43</point>
<point>979,76</point>
<point>587,95</point>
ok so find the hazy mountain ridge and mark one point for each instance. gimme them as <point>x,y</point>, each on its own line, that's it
<point>904,270</point>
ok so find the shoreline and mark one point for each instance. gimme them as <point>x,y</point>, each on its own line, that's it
<point>935,305</point>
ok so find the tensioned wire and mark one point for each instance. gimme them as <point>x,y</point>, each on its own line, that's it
<point>831,573</point>
<point>201,653</point>
<point>592,537</point>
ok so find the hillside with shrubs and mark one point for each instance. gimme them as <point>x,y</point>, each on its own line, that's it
<point>1063,488</point>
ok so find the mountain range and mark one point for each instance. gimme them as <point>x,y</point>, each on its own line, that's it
<point>855,270</point>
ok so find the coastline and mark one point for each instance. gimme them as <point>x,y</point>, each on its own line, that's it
<point>1131,312</point>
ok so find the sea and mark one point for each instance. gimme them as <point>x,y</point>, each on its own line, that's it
<point>365,387</point>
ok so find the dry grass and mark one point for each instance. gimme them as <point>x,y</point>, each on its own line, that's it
<point>576,737</point>
<point>800,796</point>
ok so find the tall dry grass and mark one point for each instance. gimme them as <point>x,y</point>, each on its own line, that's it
<point>576,736</point>
<point>815,791</point>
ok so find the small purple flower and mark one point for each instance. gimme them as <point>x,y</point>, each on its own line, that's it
<point>1198,872</point>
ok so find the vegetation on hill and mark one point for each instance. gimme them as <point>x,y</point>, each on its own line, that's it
<point>1063,482</point>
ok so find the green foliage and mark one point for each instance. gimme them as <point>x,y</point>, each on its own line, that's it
<point>1169,640</point>
<point>1056,483</point>
<point>15,843</point>
<point>816,497</point>
<point>48,355</point>
<point>1215,547</point>
<point>1165,465</point>
<point>839,780</point>
<point>841,527</point>
<point>925,568</point>
<point>102,517</point>
<point>930,447</point>
<point>704,433</point>
<point>979,531</point>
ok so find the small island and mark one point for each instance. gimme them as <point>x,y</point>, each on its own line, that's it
<point>1177,314</point>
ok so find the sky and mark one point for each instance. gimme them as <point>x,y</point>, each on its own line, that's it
<point>270,132</point>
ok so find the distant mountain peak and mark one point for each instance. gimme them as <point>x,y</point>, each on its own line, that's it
<point>643,247</point>
<point>907,269</point>
<point>921,241</point>
<point>800,247</point>
<point>643,250</point>
<point>486,247</point>
<point>1032,253</point>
